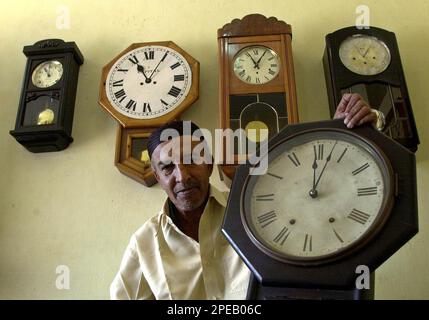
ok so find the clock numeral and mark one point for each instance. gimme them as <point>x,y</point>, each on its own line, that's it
<point>360,169</point>
<point>275,176</point>
<point>337,235</point>
<point>282,236</point>
<point>370,191</point>
<point>319,153</point>
<point>174,66</point>
<point>146,107</point>
<point>271,72</point>
<point>270,58</point>
<point>134,59</point>
<point>294,159</point>
<point>265,197</point>
<point>120,94</point>
<point>308,243</point>
<point>174,91</point>
<point>118,83</point>
<point>273,65</point>
<point>266,78</point>
<point>149,55</point>
<point>255,51</point>
<point>359,216</point>
<point>267,218</point>
<point>342,155</point>
<point>179,77</point>
<point>164,103</point>
<point>257,80</point>
<point>123,70</point>
<point>131,105</point>
<point>242,73</point>
<point>249,78</point>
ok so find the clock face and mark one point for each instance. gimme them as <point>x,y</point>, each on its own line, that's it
<point>148,82</point>
<point>256,65</point>
<point>325,193</point>
<point>47,74</point>
<point>364,55</point>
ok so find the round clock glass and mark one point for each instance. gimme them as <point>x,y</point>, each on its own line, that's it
<point>326,193</point>
<point>256,64</point>
<point>364,55</point>
<point>148,82</point>
<point>47,73</point>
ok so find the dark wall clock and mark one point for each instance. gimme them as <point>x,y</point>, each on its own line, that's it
<point>45,115</point>
<point>332,199</point>
<point>256,80</point>
<point>367,62</point>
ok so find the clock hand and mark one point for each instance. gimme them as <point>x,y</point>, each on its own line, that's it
<point>162,59</point>
<point>366,52</point>
<point>255,64</point>
<point>261,58</point>
<point>313,191</point>
<point>140,69</point>
<point>327,160</point>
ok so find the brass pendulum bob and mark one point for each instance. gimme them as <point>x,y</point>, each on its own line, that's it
<point>47,116</point>
<point>145,159</point>
<point>261,130</point>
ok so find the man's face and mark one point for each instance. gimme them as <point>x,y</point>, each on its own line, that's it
<point>187,185</point>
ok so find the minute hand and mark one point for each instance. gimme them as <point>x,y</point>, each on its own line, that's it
<point>327,160</point>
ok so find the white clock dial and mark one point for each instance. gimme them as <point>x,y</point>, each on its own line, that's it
<point>365,55</point>
<point>148,82</point>
<point>47,74</point>
<point>323,194</point>
<point>256,65</point>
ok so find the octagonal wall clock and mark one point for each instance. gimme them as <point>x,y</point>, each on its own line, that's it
<point>143,87</point>
<point>256,80</point>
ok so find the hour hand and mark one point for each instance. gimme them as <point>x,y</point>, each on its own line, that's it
<point>255,64</point>
<point>140,69</point>
<point>313,191</point>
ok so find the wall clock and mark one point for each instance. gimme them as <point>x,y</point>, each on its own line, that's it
<point>367,62</point>
<point>45,115</point>
<point>145,86</point>
<point>332,199</point>
<point>257,83</point>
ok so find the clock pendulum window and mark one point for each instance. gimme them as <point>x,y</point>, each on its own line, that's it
<point>367,62</point>
<point>45,115</point>
<point>256,83</point>
<point>145,86</point>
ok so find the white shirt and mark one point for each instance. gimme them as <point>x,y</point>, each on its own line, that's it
<point>161,262</point>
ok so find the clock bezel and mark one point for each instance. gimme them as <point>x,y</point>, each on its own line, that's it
<point>361,35</point>
<point>367,236</point>
<point>129,122</point>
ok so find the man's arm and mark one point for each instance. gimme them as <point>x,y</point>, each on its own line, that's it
<point>355,111</point>
<point>130,283</point>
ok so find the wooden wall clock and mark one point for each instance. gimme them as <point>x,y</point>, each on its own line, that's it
<point>367,62</point>
<point>256,79</point>
<point>45,115</point>
<point>332,199</point>
<point>145,86</point>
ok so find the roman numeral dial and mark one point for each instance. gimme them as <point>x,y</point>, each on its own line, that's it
<point>256,65</point>
<point>148,82</point>
<point>352,183</point>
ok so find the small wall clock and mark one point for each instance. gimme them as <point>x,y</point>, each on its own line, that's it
<point>367,62</point>
<point>332,199</point>
<point>257,83</point>
<point>145,86</point>
<point>45,115</point>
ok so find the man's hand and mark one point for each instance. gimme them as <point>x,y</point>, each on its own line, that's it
<point>354,110</point>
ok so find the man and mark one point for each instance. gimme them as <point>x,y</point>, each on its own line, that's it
<point>181,253</point>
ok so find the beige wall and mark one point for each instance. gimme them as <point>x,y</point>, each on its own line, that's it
<point>74,208</point>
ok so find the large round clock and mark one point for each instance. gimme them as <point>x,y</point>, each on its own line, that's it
<point>331,200</point>
<point>327,192</point>
<point>149,84</point>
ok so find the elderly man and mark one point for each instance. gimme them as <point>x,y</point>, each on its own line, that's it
<point>181,253</point>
